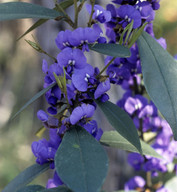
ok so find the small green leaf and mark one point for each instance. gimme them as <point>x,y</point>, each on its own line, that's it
<point>39,133</point>
<point>121,121</point>
<point>57,189</point>
<point>64,5</point>
<point>123,33</point>
<point>160,78</point>
<point>31,188</point>
<point>25,177</point>
<point>34,98</point>
<point>129,31</point>
<point>81,161</point>
<point>136,35</point>
<point>21,10</point>
<point>114,50</point>
<point>114,139</point>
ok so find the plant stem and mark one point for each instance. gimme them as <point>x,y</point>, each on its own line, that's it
<point>148,179</point>
<point>76,14</point>
<point>106,66</point>
<point>92,11</point>
<point>68,19</point>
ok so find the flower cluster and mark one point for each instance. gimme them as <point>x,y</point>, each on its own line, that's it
<point>76,84</point>
<point>70,99</point>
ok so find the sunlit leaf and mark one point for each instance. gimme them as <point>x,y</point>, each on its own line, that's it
<point>122,122</point>
<point>114,139</point>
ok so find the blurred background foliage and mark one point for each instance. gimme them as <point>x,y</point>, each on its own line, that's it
<point>21,78</point>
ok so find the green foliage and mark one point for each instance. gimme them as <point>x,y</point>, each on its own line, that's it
<point>34,98</point>
<point>64,5</point>
<point>171,184</point>
<point>31,188</point>
<point>114,50</point>
<point>114,139</point>
<point>160,78</point>
<point>81,161</point>
<point>57,189</point>
<point>25,177</point>
<point>21,10</point>
<point>121,121</point>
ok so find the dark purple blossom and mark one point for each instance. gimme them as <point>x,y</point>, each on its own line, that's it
<point>135,160</point>
<point>80,78</point>
<point>100,14</point>
<point>83,36</point>
<point>72,57</point>
<point>42,115</point>
<point>144,8</point>
<point>92,128</point>
<point>62,39</point>
<point>102,88</point>
<point>128,13</point>
<point>42,150</point>
<point>55,182</point>
<point>81,112</point>
<point>134,183</point>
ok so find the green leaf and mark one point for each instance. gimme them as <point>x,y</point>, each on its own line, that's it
<point>21,10</point>
<point>114,50</point>
<point>160,78</point>
<point>121,121</point>
<point>124,31</point>
<point>81,161</point>
<point>114,139</point>
<point>171,184</point>
<point>136,35</point>
<point>57,189</point>
<point>34,98</point>
<point>31,188</point>
<point>25,177</point>
<point>64,5</point>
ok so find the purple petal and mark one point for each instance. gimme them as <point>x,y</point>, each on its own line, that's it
<point>76,115</point>
<point>102,88</point>
<point>42,115</point>
<point>88,110</point>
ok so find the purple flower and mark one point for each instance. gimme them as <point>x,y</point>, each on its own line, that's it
<point>102,88</point>
<point>83,36</point>
<point>129,13</point>
<point>99,14</point>
<point>43,151</point>
<point>62,39</point>
<point>135,182</point>
<point>144,8</point>
<point>80,78</point>
<point>132,104</point>
<point>154,164</point>
<point>83,111</point>
<point>71,57</point>
<point>55,182</point>
<point>92,128</point>
<point>135,160</point>
<point>42,115</point>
